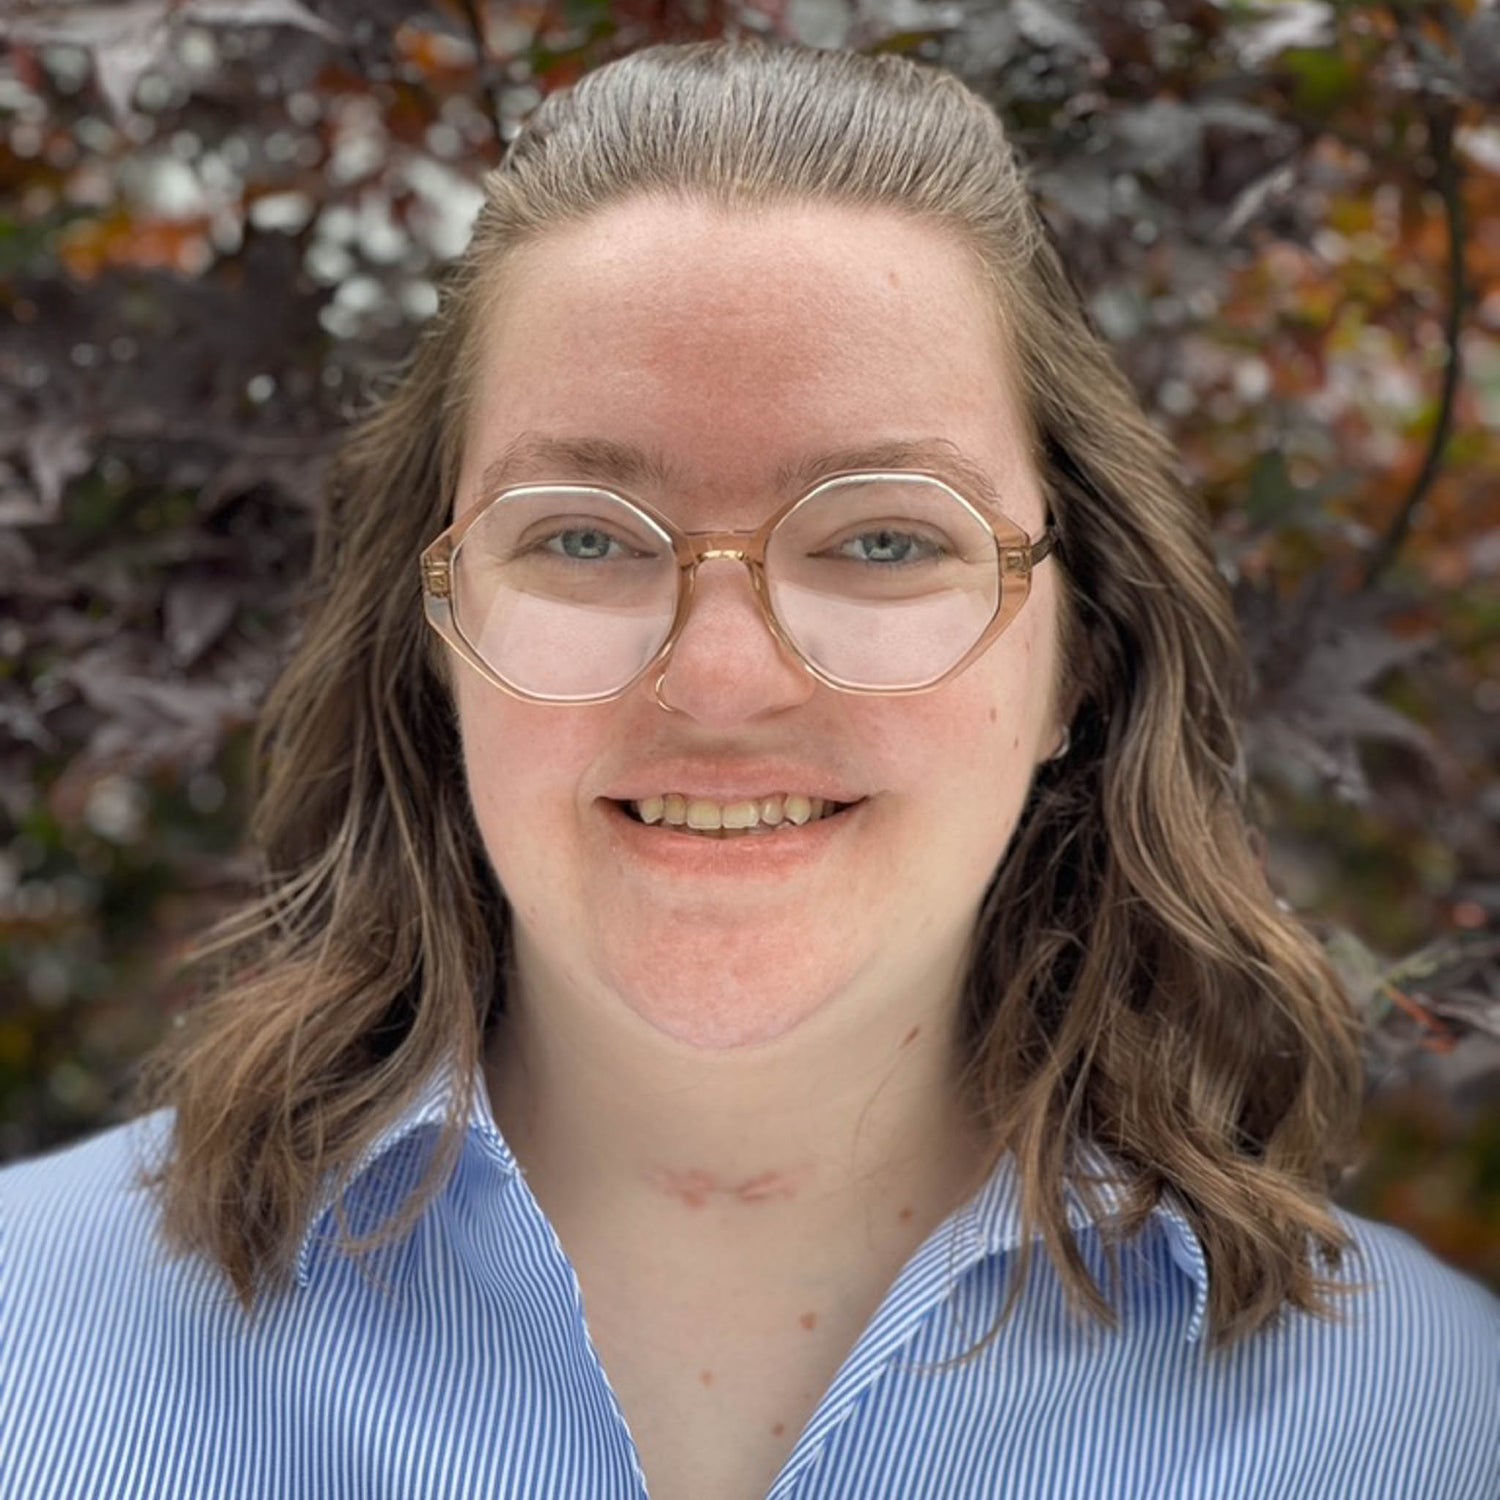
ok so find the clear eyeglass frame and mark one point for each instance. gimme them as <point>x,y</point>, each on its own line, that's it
<point>1016,554</point>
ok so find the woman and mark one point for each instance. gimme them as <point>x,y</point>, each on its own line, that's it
<point>803,866</point>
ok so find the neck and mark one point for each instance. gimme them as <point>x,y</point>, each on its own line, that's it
<point>846,1133</point>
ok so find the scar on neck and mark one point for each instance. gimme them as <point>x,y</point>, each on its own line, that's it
<point>695,1189</point>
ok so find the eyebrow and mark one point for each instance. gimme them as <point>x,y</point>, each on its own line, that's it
<point>936,456</point>
<point>536,457</point>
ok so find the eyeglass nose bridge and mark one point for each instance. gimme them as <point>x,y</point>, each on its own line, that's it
<point>745,547</point>
<point>694,548</point>
<point>748,547</point>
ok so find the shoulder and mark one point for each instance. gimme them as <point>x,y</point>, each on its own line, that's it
<point>1401,1385</point>
<point>1401,1296</point>
<point>1391,1391</point>
<point>112,1344</point>
<point>92,1184</point>
<point>77,1219</point>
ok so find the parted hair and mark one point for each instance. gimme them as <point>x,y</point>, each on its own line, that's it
<point>1134,984</point>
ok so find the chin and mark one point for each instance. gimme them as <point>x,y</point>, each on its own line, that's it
<point>721,1005</point>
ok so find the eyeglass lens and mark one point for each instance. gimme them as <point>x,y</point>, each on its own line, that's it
<point>880,583</point>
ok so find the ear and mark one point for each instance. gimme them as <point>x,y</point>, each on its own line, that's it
<point>1072,692</point>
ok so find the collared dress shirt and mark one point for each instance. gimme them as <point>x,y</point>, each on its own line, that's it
<point>457,1364</point>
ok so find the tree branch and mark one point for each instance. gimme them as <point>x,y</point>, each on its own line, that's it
<point>485,65</point>
<point>1440,121</point>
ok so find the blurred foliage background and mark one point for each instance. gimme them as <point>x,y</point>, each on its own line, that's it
<point>220,222</point>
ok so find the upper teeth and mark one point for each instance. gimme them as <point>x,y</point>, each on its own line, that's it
<point>699,812</point>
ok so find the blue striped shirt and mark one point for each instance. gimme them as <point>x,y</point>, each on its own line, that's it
<point>458,1363</point>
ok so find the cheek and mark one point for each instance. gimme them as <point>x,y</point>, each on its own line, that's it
<point>523,765</point>
<point>979,734</point>
<point>966,756</point>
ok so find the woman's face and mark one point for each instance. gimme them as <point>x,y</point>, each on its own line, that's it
<point>694,357</point>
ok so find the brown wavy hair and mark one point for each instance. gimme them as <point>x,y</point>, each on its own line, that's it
<point>1134,983</point>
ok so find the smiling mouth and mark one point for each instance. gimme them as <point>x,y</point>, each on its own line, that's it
<point>675,813</point>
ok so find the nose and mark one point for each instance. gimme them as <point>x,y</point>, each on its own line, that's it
<point>727,667</point>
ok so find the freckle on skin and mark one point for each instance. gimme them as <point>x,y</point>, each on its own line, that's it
<point>778,1429</point>
<point>905,1216</point>
<point>809,1321</point>
<point>994,715</point>
<point>707,1377</point>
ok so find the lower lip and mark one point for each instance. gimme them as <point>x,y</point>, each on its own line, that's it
<point>746,856</point>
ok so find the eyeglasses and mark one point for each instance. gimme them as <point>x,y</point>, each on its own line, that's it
<point>875,582</point>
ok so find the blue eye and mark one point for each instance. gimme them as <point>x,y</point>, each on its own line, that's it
<point>583,544</point>
<point>889,548</point>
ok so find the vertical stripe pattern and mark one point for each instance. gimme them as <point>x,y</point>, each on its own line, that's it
<point>458,1364</point>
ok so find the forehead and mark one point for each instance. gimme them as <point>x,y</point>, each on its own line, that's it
<point>670,347</point>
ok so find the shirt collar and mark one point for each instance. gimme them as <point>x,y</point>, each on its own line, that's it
<point>431,1107</point>
<point>993,1221</point>
<point>991,1225</point>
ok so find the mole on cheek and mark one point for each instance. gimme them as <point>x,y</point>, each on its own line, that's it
<point>994,715</point>
<point>809,1320</point>
<point>905,1216</point>
<point>778,1429</point>
<point>707,1377</point>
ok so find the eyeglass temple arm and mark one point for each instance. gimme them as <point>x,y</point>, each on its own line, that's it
<point>1043,546</point>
